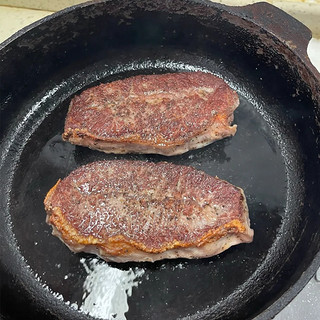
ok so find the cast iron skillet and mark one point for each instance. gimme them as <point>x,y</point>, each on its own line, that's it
<point>261,52</point>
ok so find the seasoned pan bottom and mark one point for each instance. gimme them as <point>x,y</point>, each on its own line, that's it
<point>252,159</point>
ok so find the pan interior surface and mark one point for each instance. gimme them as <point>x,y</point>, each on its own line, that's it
<point>240,160</point>
<point>266,157</point>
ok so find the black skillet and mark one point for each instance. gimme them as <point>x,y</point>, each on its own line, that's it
<point>261,52</point>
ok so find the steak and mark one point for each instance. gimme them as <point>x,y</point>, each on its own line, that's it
<point>167,114</point>
<point>143,211</point>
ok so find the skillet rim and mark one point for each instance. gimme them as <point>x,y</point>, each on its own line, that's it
<point>310,271</point>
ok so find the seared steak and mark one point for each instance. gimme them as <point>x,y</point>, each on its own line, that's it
<point>142,211</point>
<point>167,114</point>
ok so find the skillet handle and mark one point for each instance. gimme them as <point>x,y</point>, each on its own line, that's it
<point>288,30</point>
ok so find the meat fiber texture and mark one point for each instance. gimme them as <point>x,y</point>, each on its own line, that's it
<point>127,210</point>
<point>166,114</point>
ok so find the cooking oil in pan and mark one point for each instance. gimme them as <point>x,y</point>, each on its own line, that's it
<point>106,289</point>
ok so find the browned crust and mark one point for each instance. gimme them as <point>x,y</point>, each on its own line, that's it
<point>175,127</point>
<point>159,143</point>
<point>119,245</point>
